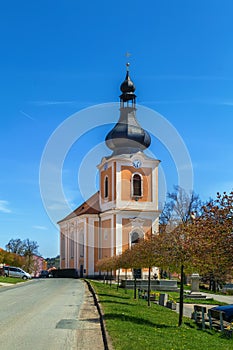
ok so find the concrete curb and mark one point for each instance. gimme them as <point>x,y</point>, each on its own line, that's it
<point>106,340</point>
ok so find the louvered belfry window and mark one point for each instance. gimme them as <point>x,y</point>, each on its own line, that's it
<point>137,185</point>
<point>106,187</point>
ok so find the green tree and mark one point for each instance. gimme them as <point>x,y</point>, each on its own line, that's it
<point>213,230</point>
<point>145,254</point>
<point>178,214</point>
<point>177,252</point>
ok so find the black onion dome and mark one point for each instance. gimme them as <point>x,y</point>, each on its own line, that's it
<point>127,85</point>
<point>127,136</point>
<point>127,88</point>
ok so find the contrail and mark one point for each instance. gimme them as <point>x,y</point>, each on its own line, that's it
<point>27,115</point>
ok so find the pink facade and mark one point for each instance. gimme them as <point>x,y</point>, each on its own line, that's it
<point>39,264</point>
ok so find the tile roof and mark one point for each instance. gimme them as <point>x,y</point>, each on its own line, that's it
<point>91,206</point>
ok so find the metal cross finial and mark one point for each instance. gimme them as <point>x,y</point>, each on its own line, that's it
<point>128,54</point>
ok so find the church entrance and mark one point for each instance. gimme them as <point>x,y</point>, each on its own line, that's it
<point>137,273</point>
<point>81,271</point>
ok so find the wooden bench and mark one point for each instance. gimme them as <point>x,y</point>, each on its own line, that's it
<point>200,315</point>
<point>216,320</point>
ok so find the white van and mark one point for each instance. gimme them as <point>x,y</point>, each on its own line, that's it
<point>11,271</point>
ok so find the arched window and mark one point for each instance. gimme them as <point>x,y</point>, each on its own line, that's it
<point>63,248</point>
<point>137,185</point>
<point>71,244</point>
<point>106,187</point>
<point>134,238</point>
<point>81,245</point>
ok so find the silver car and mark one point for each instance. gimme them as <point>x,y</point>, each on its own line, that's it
<point>11,271</point>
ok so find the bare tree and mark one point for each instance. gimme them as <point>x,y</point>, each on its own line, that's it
<point>15,246</point>
<point>25,248</point>
<point>181,207</point>
<point>30,248</point>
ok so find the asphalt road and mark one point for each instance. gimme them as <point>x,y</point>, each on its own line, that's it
<point>44,314</point>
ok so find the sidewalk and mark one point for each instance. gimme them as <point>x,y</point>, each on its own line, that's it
<point>223,298</point>
<point>2,284</point>
<point>189,308</point>
<point>89,333</point>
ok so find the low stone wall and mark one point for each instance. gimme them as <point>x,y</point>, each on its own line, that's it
<point>159,285</point>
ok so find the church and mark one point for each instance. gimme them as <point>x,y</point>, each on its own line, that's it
<point>125,209</point>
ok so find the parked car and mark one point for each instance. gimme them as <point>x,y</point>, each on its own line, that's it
<point>65,273</point>
<point>44,274</point>
<point>227,287</point>
<point>228,311</point>
<point>11,271</point>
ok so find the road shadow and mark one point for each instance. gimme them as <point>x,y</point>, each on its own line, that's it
<point>117,302</point>
<point>114,296</point>
<point>136,320</point>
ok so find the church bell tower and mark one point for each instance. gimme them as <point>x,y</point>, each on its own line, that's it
<point>128,194</point>
<point>125,209</point>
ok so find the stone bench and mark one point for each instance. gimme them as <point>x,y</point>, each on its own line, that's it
<point>156,285</point>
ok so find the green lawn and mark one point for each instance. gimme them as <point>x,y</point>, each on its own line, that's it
<point>12,280</point>
<point>131,324</point>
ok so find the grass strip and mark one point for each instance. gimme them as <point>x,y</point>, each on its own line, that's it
<point>131,324</point>
<point>12,280</point>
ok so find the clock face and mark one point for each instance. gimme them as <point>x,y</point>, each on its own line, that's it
<point>137,163</point>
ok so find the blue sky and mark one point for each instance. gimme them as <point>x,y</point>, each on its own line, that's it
<point>59,57</point>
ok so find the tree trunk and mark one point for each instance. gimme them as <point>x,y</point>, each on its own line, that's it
<point>118,278</point>
<point>181,295</point>
<point>148,290</point>
<point>111,278</point>
<point>125,280</point>
<point>135,288</point>
<point>214,285</point>
<point>107,277</point>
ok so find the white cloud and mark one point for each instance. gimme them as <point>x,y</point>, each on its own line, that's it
<point>4,206</point>
<point>40,227</point>
<point>227,103</point>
